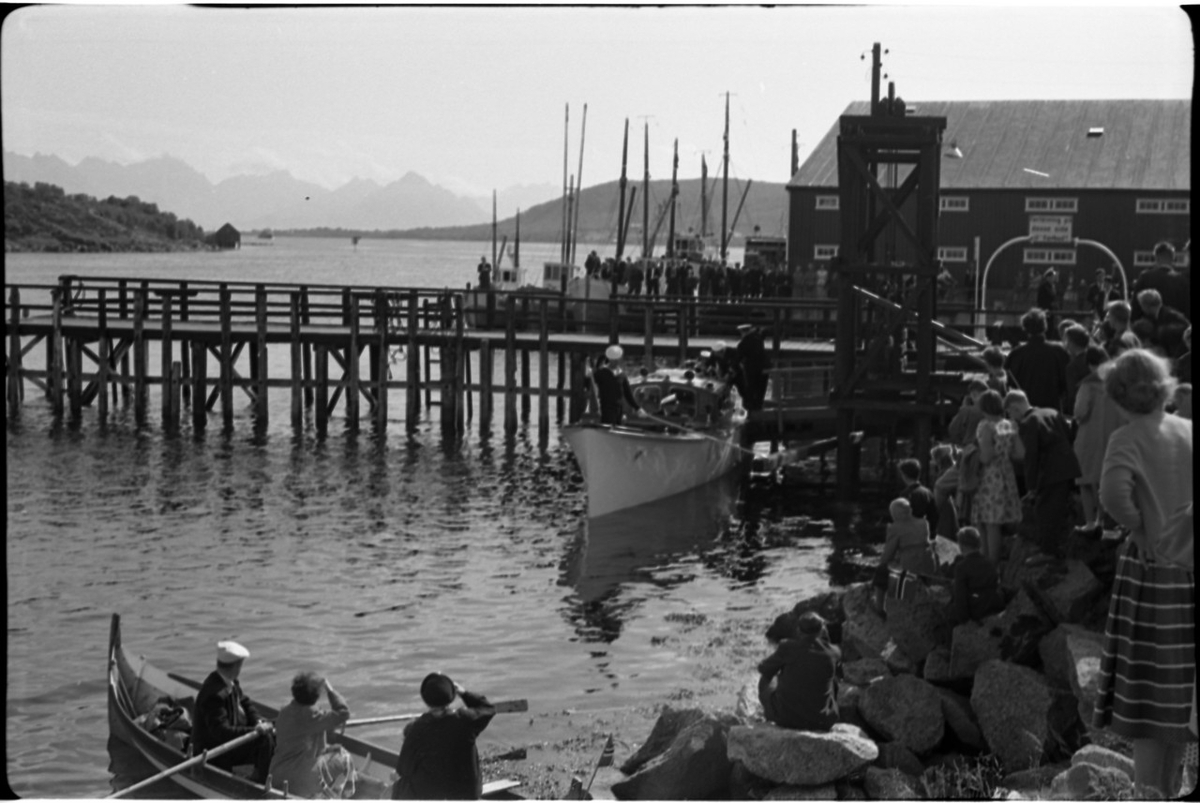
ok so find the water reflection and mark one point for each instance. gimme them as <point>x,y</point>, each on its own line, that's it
<point>625,547</point>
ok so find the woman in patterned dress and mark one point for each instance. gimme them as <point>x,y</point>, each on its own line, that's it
<point>1148,668</point>
<point>997,501</point>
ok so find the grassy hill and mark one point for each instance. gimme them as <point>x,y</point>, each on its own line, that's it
<point>44,218</point>
<point>765,206</point>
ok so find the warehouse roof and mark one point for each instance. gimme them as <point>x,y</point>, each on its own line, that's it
<point>1051,144</point>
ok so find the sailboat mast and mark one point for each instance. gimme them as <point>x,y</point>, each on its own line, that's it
<point>621,206</point>
<point>578,189</point>
<point>703,197</point>
<point>646,197</point>
<point>565,219</point>
<point>495,264</point>
<point>725,187</point>
<point>674,195</point>
<point>517,244</point>
<point>570,244</point>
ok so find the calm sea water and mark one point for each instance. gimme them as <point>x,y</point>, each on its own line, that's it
<point>372,560</point>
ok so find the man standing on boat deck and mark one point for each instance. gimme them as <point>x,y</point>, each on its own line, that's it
<point>754,363</point>
<point>439,759</point>
<point>485,274</point>
<point>612,388</point>
<point>223,714</point>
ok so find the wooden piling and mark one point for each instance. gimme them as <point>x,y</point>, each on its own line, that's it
<point>226,380</point>
<point>543,373</point>
<point>139,358</point>
<point>14,355</point>
<point>460,358</point>
<point>684,309</point>
<point>167,359</point>
<point>199,386</point>
<point>510,365</point>
<point>297,363</point>
<point>578,405</point>
<point>54,382</point>
<point>322,390</point>
<point>412,412</point>
<point>260,355</point>
<point>352,378</point>
<point>560,400</point>
<point>184,352</point>
<point>103,371</point>
<point>382,362</point>
<point>122,301</point>
<point>648,338</point>
<point>307,348</point>
<point>74,347</point>
<point>174,387</point>
<point>485,384</point>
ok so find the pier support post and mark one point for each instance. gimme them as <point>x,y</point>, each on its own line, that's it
<point>226,379</point>
<point>74,348</point>
<point>510,365</point>
<point>139,358</point>
<point>173,386</point>
<point>297,363</point>
<point>578,404</point>
<point>307,348</point>
<point>461,369</point>
<point>184,352</point>
<point>560,399</point>
<point>54,381</point>
<point>381,362</point>
<point>412,410</point>
<point>199,388</point>
<point>260,356</point>
<point>167,359</point>
<point>543,373</point>
<point>14,355</point>
<point>322,390</point>
<point>352,392</point>
<point>123,311</point>
<point>684,325</point>
<point>648,338</point>
<point>485,385</point>
<point>103,372</point>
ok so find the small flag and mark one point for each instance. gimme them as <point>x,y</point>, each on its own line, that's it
<point>606,758</point>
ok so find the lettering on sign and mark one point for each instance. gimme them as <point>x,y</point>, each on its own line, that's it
<point>1050,228</point>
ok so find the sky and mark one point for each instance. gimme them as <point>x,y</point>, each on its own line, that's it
<point>475,99</point>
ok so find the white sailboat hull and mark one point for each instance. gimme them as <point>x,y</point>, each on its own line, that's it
<point>624,467</point>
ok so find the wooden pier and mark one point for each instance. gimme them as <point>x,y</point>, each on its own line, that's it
<point>213,342</point>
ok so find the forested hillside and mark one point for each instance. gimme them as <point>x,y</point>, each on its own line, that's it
<point>44,218</point>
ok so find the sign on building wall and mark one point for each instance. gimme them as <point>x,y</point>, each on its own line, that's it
<point>1050,228</point>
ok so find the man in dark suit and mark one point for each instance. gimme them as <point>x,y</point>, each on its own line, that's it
<point>1051,467</point>
<point>612,388</point>
<point>1040,368</point>
<point>439,759</point>
<point>754,362</point>
<point>223,713</point>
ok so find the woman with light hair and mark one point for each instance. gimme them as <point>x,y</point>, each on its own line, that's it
<point>1148,668</point>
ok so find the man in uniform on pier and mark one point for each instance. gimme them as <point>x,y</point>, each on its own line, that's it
<point>224,713</point>
<point>754,364</point>
<point>485,274</point>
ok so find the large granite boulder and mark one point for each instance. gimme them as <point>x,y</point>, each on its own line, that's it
<point>1090,782</point>
<point>800,758</point>
<point>1013,705</point>
<point>668,725</point>
<point>890,785</point>
<point>696,766</point>
<point>960,719</point>
<point>865,670</point>
<point>936,668</point>
<point>893,755</point>
<point>1071,658</point>
<point>919,622</point>
<point>971,646</point>
<point>745,785</point>
<point>1103,757</point>
<point>864,633</point>
<point>904,709</point>
<point>897,660</point>
<point>1072,593</point>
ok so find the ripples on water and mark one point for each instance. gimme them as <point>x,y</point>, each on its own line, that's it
<point>374,562</point>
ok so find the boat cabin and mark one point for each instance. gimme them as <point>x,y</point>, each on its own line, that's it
<point>682,396</point>
<point>769,252</point>
<point>555,275</point>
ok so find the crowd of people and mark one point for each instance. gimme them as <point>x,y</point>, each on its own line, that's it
<point>438,759</point>
<point>706,279</point>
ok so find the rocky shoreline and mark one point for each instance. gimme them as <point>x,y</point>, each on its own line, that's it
<point>1005,703</point>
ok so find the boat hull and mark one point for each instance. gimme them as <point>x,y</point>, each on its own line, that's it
<point>624,466</point>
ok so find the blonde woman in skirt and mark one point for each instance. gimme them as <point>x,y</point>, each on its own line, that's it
<point>1148,670</point>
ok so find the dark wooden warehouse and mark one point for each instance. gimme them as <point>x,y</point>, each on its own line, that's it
<point>1026,185</point>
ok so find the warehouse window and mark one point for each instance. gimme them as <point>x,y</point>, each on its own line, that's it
<point>952,253</point>
<point>828,202</point>
<point>824,251</point>
<point>1049,256</point>
<point>1145,259</point>
<point>1164,206</point>
<point>955,203</point>
<point>1051,204</point>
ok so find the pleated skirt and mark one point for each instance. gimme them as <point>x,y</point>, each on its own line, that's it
<point>1148,668</point>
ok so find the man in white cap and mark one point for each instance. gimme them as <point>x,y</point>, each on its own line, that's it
<point>612,387</point>
<point>223,713</point>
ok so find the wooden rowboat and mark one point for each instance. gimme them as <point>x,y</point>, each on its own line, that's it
<point>135,685</point>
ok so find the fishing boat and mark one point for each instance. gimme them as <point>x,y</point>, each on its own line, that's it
<point>691,434</point>
<point>134,688</point>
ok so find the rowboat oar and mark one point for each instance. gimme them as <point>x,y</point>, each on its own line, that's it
<point>503,707</point>
<point>191,762</point>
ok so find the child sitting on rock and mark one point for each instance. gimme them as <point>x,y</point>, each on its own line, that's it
<point>907,549</point>
<point>804,696</point>
<point>976,583</point>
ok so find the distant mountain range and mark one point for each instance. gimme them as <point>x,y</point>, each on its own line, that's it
<point>409,207</point>
<point>274,200</point>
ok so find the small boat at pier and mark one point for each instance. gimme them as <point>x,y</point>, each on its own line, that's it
<point>135,687</point>
<point>691,435</point>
